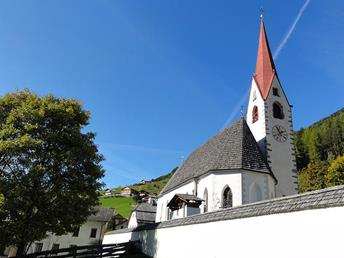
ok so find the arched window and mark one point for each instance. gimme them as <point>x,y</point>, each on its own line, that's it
<point>227,198</point>
<point>205,198</point>
<point>277,109</point>
<point>255,193</point>
<point>254,114</point>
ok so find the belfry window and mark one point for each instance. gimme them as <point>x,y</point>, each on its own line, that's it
<point>277,109</point>
<point>227,198</point>
<point>275,92</point>
<point>254,114</point>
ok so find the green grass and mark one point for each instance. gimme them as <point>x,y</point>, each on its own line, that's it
<point>123,205</point>
<point>156,185</point>
<point>151,187</point>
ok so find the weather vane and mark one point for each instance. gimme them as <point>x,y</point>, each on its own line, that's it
<point>242,110</point>
<point>261,12</point>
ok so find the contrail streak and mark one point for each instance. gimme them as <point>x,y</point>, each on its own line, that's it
<point>290,31</point>
<point>236,109</point>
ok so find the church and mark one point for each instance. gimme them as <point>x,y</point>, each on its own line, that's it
<point>251,160</point>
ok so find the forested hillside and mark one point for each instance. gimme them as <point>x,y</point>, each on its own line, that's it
<point>319,153</point>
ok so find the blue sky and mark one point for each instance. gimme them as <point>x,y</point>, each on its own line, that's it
<point>161,77</point>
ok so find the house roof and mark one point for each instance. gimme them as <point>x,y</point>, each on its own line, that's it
<point>232,148</point>
<point>145,213</point>
<point>102,214</point>
<point>188,199</point>
<point>265,67</point>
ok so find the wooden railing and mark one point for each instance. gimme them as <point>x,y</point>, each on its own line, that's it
<point>87,251</point>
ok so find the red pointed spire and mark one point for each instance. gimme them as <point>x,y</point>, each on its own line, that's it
<point>265,67</point>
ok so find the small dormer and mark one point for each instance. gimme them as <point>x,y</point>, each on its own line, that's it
<point>184,205</point>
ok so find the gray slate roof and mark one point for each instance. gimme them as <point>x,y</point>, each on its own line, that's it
<point>145,213</point>
<point>232,148</point>
<point>189,197</point>
<point>102,214</point>
<point>326,198</point>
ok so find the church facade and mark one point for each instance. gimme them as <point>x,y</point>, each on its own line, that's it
<point>251,160</point>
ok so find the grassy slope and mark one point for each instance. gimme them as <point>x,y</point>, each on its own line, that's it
<point>151,187</point>
<point>123,205</point>
<point>155,185</point>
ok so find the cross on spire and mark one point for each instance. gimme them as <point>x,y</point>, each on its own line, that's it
<point>261,13</point>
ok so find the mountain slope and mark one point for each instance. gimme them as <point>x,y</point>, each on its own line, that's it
<point>323,140</point>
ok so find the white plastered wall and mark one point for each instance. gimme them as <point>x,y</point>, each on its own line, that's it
<point>132,220</point>
<point>161,212</point>
<point>215,184</point>
<point>257,128</point>
<point>65,241</point>
<point>308,233</point>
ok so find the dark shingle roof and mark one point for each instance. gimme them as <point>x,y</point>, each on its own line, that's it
<point>320,199</point>
<point>232,148</point>
<point>102,214</point>
<point>145,213</point>
<point>189,197</point>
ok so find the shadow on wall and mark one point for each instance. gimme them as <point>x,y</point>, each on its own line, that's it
<point>148,238</point>
<point>262,145</point>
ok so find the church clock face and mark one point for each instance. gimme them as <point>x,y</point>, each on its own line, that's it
<point>279,133</point>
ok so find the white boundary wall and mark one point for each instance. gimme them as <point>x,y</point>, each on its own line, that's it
<point>308,234</point>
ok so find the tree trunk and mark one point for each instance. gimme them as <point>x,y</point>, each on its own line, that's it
<point>21,249</point>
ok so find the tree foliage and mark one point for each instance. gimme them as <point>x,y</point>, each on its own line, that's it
<point>335,175</point>
<point>316,148</point>
<point>313,176</point>
<point>49,167</point>
<point>323,140</point>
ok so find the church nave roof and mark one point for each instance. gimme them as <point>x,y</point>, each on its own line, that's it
<point>233,148</point>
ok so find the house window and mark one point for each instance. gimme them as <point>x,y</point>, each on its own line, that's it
<point>227,198</point>
<point>205,198</point>
<point>76,232</point>
<point>93,233</point>
<point>38,247</point>
<point>55,247</point>
<point>254,114</point>
<point>277,109</point>
<point>275,92</point>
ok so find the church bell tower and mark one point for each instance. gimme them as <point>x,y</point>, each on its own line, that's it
<point>269,117</point>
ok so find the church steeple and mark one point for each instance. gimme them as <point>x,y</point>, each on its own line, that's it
<point>270,119</point>
<point>265,67</point>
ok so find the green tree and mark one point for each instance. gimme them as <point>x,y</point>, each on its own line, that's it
<point>49,167</point>
<point>335,175</point>
<point>313,176</point>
